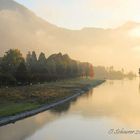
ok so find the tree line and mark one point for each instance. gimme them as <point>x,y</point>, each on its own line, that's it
<point>110,73</point>
<point>17,70</point>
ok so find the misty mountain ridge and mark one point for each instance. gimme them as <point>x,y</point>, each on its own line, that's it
<point>21,28</point>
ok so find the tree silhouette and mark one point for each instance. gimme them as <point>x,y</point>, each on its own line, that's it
<point>11,60</point>
<point>55,67</point>
<point>21,73</point>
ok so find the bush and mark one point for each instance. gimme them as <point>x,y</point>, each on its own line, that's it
<point>7,79</point>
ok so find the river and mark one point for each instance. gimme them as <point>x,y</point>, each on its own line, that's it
<point>107,112</point>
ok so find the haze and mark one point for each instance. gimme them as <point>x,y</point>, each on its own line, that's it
<point>115,41</point>
<point>76,14</point>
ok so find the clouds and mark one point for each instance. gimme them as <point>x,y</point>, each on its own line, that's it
<point>80,13</point>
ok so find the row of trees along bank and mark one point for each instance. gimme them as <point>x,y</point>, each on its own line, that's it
<point>17,70</point>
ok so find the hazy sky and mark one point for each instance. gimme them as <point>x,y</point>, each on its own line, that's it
<point>84,13</point>
<point>121,45</point>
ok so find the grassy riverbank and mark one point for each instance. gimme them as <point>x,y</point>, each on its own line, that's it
<point>19,99</point>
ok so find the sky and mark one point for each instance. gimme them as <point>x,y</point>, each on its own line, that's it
<point>123,44</point>
<point>76,14</point>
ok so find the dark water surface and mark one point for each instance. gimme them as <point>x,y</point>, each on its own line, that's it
<point>112,105</point>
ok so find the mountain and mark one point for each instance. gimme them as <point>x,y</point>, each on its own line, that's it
<point>21,28</point>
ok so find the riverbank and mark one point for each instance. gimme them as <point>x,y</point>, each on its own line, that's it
<point>21,102</point>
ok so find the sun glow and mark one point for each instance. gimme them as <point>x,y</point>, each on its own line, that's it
<point>135,32</point>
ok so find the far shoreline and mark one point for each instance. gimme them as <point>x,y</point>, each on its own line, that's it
<point>19,116</point>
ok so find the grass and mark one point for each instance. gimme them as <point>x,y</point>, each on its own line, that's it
<point>19,99</point>
<point>14,108</point>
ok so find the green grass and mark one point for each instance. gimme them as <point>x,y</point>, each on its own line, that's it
<point>14,108</point>
<point>19,99</point>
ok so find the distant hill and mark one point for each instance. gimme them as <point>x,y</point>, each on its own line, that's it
<point>21,28</point>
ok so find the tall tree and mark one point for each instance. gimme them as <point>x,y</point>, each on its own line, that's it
<point>34,57</point>
<point>11,60</point>
<point>42,63</point>
<point>21,73</point>
<point>42,59</point>
<point>31,62</point>
<point>28,59</point>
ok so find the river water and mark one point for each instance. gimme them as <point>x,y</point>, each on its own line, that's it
<point>107,112</point>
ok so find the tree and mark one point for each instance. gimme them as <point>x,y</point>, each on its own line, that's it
<point>34,57</point>
<point>11,60</point>
<point>7,79</point>
<point>31,62</point>
<point>57,66</point>
<point>28,59</point>
<point>91,71</point>
<point>42,59</point>
<point>42,63</point>
<point>21,73</point>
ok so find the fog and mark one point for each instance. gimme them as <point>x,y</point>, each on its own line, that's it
<point>22,29</point>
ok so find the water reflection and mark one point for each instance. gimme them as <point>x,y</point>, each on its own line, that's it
<point>25,128</point>
<point>111,82</point>
<point>66,107</point>
<point>115,104</point>
<point>61,108</point>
